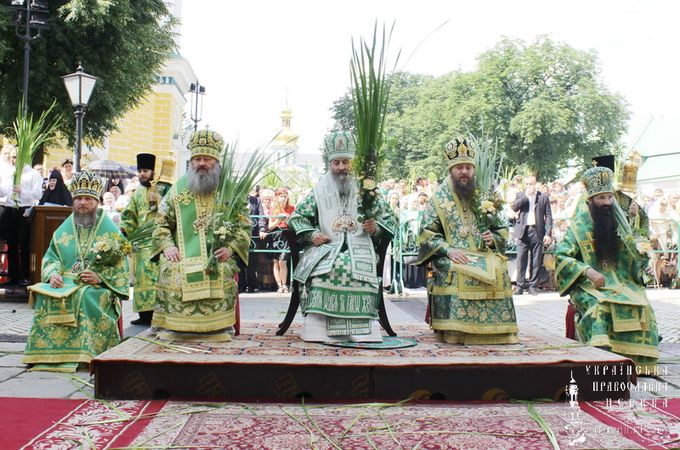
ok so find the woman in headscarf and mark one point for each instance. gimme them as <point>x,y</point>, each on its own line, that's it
<point>56,193</point>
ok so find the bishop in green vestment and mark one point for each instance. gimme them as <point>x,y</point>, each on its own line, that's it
<point>600,264</point>
<point>190,298</point>
<point>470,294</point>
<point>142,209</point>
<point>338,269</point>
<point>77,305</point>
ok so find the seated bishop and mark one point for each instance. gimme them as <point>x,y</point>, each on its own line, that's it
<point>84,276</point>
<point>338,270</point>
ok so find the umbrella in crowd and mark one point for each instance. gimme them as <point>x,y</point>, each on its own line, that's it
<point>110,169</point>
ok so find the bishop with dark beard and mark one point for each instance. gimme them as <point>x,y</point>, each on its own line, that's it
<point>601,270</point>
<point>471,295</point>
<point>193,303</point>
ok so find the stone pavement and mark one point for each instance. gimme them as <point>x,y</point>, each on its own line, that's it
<point>545,311</point>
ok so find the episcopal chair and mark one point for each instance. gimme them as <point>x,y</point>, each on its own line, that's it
<point>294,304</point>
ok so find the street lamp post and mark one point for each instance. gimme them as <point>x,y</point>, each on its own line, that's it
<point>198,92</point>
<point>31,16</point>
<point>79,86</point>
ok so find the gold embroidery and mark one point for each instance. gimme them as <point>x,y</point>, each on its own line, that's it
<point>587,246</point>
<point>185,197</point>
<point>64,239</point>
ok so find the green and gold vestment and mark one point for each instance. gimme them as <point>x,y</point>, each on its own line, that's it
<point>471,303</point>
<point>617,317</point>
<point>339,279</point>
<point>137,213</point>
<point>189,298</point>
<point>75,323</point>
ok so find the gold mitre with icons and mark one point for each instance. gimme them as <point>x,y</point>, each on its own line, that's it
<point>598,180</point>
<point>167,172</point>
<point>87,184</point>
<point>459,152</point>
<point>206,143</point>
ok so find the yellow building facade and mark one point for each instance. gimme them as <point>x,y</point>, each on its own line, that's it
<point>154,126</point>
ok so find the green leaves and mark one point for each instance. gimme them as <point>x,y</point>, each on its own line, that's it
<point>236,182</point>
<point>32,134</point>
<point>370,94</point>
<point>123,42</point>
<point>543,102</point>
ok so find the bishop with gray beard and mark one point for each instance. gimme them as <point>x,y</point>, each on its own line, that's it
<point>202,179</point>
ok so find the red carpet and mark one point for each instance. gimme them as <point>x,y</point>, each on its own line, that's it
<point>23,418</point>
<point>56,423</point>
<point>652,423</point>
<point>53,423</point>
<point>366,426</point>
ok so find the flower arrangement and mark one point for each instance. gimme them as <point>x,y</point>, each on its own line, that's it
<point>108,249</point>
<point>488,200</point>
<point>31,135</point>
<point>370,95</point>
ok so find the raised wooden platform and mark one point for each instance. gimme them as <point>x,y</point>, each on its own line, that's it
<point>260,365</point>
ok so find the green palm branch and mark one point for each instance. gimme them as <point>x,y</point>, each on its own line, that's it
<point>370,96</point>
<point>32,134</point>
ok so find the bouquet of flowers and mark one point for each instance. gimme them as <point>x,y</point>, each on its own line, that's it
<point>370,95</point>
<point>230,219</point>
<point>488,201</point>
<point>31,135</point>
<point>108,250</point>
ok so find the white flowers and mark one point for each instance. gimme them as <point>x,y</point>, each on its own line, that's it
<point>488,207</point>
<point>369,184</point>
<point>643,247</point>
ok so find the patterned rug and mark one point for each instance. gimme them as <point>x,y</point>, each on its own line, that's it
<point>652,423</point>
<point>78,424</point>
<point>423,425</point>
<point>259,344</point>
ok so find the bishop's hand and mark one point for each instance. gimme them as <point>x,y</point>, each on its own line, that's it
<point>56,281</point>
<point>319,238</point>
<point>370,226</point>
<point>172,254</point>
<point>457,256</point>
<point>595,277</point>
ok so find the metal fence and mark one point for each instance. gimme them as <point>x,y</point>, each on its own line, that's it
<point>404,246</point>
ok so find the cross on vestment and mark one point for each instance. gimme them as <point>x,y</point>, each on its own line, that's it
<point>342,277</point>
<point>185,197</point>
<point>588,245</point>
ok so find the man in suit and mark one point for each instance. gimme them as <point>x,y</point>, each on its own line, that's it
<point>533,230</point>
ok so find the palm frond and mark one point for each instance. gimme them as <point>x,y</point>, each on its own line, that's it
<point>370,96</point>
<point>237,182</point>
<point>489,161</point>
<point>32,134</point>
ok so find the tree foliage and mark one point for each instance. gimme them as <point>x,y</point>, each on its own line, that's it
<point>124,43</point>
<point>544,103</point>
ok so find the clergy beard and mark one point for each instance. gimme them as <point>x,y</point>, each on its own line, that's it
<point>85,219</point>
<point>204,182</point>
<point>146,183</point>
<point>465,192</point>
<point>342,183</point>
<point>607,241</point>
